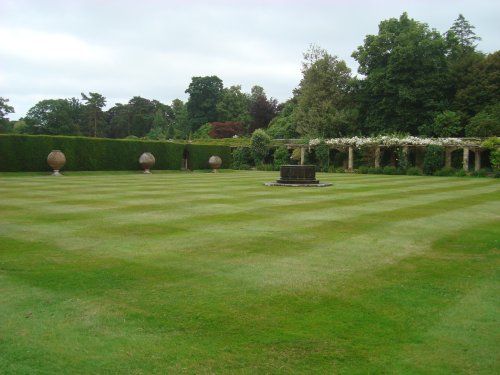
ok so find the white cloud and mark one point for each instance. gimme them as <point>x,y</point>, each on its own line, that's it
<point>50,47</point>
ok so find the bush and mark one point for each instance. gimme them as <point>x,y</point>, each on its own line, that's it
<point>445,172</point>
<point>390,170</point>
<point>403,161</point>
<point>323,156</point>
<point>461,173</point>
<point>242,158</point>
<point>363,170</point>
<point>480,173</point>
<point>493,144</point>
<point>433,159</point>
<point>413,171</point>
<point>281,157</point>
<point>203,131</point>
<point>375,170</point>
<point>259,147</point>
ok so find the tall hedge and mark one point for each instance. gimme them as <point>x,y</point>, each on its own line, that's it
<point>29,153</point>
<point>198,155</point>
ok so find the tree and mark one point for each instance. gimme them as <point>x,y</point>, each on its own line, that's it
<point>180,124</point>
<point>477,83</point>
<point>486,123</point>
<point>159,126</point>
<point>118,122</point>
<point>204,95</point>
<point>5,109</point>
<point>234,106</point>
<point>461,38</point>
<point>407,80</point>
<point>225,129</point>
<point>53,117</point>
<point>94,104</point>
<point>284,126</point>
<point>262,109</point>
<point>446,124</point>
<point>323,96</point>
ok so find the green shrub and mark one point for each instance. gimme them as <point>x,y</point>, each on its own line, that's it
<point>403,161</point>
<point>363,170</point>
<point>242,158</point>
<point>493,144</point>
<point>260,145</point>
<point>461,173</point>
<point>433,159</point>
<point>322,152</point>
<point>445,172</point>
<point>480,173</point>
<point>390,170</point>
<point>339,170</point>
<point>413,171</point>
<point>281,157</point>
<point>375,170</point>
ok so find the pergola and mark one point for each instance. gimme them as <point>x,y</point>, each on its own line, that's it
<point>348,145</point>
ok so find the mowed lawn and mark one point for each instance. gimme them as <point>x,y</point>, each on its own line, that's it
<point>203,273</point>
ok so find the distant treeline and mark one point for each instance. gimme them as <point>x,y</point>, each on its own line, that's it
<point>412,80</point>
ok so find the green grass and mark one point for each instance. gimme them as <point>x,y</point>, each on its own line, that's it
<point>206,273</point>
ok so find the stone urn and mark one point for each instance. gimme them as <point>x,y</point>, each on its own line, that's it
<point>56,161</point>
<point>215,163</point>
<point>147,160</point>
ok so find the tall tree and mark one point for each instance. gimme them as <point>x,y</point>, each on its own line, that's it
<point>180,124</point>
<point>407,77</point>
<point>262,109</point>
<point>461,38</point>
<point>324,96</point>
<point>142,113</point>
<point>53,117</point>
<point>284,125</point>
<point>5,109</point>
<point>94,103</point>
<point>234,106</point>
<point>204,95</point>
<point>477,80</point>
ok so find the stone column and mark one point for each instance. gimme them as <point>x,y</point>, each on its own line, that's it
<point>465,162</point>
<point>350,165</point>
<point>377,157</point>
<point>405,155</point>
<point>447,157</point>
<point>302,155</point>
<point>477,159</point>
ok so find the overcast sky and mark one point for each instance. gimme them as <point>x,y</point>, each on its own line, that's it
<point>151,48</point>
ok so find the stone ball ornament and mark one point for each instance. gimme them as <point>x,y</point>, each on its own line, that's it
<point>215,163</point>
<point>147,160</point>
<point>56,161</point>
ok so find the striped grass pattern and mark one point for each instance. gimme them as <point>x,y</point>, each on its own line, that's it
<point>215,273</point>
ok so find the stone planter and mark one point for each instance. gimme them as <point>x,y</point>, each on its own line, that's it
<point>215,163</point>
<point>147,160</point>
<point>56,161</point>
